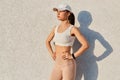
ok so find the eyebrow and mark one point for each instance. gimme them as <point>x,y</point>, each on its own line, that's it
<point>62,10</point>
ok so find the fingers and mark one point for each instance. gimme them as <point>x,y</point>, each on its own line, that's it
<point>64,57</point>
<point>54,56</point>
<point>67,56</point>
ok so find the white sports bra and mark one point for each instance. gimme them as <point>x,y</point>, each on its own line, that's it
<point>63,38</point>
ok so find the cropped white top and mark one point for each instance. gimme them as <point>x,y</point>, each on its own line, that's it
<point>63,38</point>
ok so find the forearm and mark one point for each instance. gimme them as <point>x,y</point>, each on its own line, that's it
<point>49,47</point>
<point>80,51</point>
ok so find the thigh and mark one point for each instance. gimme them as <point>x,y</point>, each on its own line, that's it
<point>56,73</point>
<point>69,71</point>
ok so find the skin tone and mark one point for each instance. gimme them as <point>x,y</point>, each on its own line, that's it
<point>63,17</point>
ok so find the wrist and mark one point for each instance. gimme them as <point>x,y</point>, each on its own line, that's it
<point>73,56</point>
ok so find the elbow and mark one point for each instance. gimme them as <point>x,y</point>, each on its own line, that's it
<point>86,46</point>
<point>47,42</point>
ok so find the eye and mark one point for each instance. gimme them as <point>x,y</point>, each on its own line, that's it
<point>63,11</point>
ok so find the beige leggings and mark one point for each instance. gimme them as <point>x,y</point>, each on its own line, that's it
<point>63,69</point>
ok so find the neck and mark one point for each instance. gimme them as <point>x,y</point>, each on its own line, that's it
<point>65,22</point>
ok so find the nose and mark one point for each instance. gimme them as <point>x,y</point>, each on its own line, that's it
<point>58,12</point>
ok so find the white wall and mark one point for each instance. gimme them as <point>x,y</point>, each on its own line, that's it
<point>25,25</point>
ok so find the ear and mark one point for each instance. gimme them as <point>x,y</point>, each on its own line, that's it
<point>68,14</point>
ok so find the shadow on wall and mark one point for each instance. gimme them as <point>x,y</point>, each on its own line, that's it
<point>86,63</point>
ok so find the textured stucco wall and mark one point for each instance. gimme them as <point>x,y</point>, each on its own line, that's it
<point>25,25</point>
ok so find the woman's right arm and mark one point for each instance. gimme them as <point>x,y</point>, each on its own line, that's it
<point>48,43</point>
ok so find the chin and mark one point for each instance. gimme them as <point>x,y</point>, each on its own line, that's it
<point>60,19</point>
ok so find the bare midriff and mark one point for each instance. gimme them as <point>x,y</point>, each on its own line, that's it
<point>60,52</point>
<point>62,49</point>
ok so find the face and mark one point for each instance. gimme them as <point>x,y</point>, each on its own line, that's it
<point>62,15</point>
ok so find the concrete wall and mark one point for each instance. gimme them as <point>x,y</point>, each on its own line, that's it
<point>25,25</point>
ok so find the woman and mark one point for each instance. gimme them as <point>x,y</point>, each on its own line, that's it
<point>63,36</point>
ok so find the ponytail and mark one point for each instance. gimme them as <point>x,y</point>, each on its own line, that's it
<point>71,18</point>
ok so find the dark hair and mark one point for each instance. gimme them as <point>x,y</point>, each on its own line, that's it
<point>71,18</point>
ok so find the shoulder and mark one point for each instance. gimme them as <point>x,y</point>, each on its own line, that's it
<point>75,28</point>
<point>53,28</point>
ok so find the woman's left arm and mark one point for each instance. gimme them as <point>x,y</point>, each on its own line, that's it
<point>82,40</point>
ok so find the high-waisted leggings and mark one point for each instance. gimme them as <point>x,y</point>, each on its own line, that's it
<point>63,69</point>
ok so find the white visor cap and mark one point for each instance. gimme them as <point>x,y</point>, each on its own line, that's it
<point>63,7</point>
